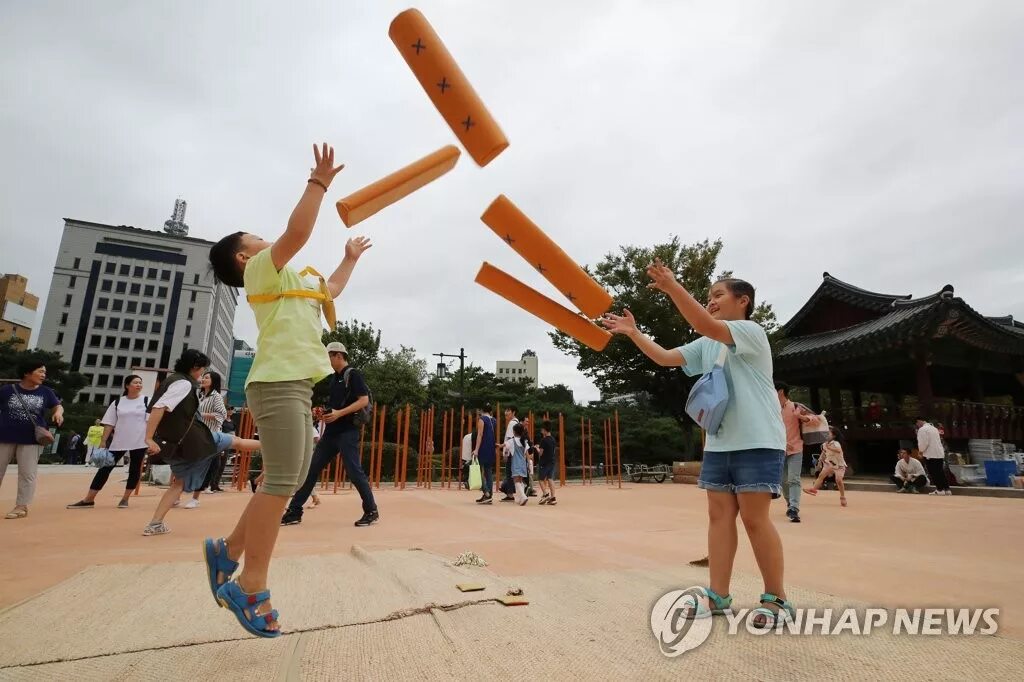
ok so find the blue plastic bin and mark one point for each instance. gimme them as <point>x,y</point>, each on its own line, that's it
<point>999,473</point>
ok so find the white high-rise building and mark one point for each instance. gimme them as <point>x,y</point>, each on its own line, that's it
<point>124,298</point>
<point>525,368</point>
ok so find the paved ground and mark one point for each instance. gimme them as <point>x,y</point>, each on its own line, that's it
<point>885,550</point>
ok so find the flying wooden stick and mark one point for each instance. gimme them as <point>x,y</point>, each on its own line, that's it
<point>530,242</point>
<point>447,87</point>
<point>558,316</point>
<point>360,205</point>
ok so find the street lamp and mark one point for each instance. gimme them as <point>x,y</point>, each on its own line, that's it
<point>442,369</point>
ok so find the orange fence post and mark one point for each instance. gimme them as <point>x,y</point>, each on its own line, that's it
<point>590,450</point>
<point>423,440</point>
<point>605,437</point>
<point>583,449</point>
<point>398,444</point>
<point>405,445</point>
<point>373,447</point>
<point>618,451</point>
<point>380,455</point>
<point>444,444</point>
<point>561,450</point>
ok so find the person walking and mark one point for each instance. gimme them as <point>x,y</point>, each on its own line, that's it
<point>348,396</point>
<point>23,409</point>
<point>929,444</point>
<point>546,465</point>
<point>124,433</point>
<point>792,417</point>
<point>519,462</point>
<point>485,452</point>
<point>511,421</point>
<point>92,439</point>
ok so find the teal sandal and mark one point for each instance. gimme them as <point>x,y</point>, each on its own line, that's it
<point>766,618</point>
<point>246,609</point>
<point>720,606</point>
<point>215,553</point>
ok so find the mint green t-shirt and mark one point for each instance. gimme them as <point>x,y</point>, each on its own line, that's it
<point>288,346</point>
<point>752,418</point>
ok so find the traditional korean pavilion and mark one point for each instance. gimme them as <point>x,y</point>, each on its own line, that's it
<point>874,361</point>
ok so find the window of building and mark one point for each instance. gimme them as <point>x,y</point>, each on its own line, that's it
<point>162,292</point>
<point>148,292</point>
<point>122,361</point>
<point>146,307</point>
<point>136,288</point>
<point>106,360</point>
<point>60,338</point>
<point>136,362</point>
<point>142,326</point>
<point>110,268</point>
<point>116,379</point>
<point>150,362</point>
<point>67,301</point>
<point>114,323</point>
<point>154,346</point>
<point>128,322</point>
<point>132,306</point>
<point>102,379</point>
<point>109,342</point>
<point>157,327</point>
<point>100,322</point>
<point>90,359</point>
<point>151,273</point>
<point>138,271</point>
<point>192,299</point>
<point>139,344</point>
<point>125,342</point>
<point>71,282</point>
<point>121,287</point>
<point>165,275</point>
<point>158,309</point>
<point>95,340</point>
<point>195,278</point>
<point>117,305</point>
<point>101,304</point>
<point>190,311</point>
<point>106,285</point>
<point>188,330</point>
<point>99,399</point>
<point>124,270</point>
<point>63,319</point>
<point>78,261</point>
<point>184,346</point>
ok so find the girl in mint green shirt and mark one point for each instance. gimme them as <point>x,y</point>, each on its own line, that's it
<point>289,360</point>
<point>742,467</point>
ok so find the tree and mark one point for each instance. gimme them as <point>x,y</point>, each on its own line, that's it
<point>622,368</point>
<point>59,376</point>
<point>361,341</point>
<point>397,377</point>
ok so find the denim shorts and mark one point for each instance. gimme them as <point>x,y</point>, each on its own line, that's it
<point>192,474</point>
<point>547,471</point>
<point>758,470</point>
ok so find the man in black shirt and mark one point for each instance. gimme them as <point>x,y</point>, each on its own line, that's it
<point>348,395</point>
<point>547,464</point>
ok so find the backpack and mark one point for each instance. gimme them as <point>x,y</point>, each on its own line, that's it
<point>362,416</point>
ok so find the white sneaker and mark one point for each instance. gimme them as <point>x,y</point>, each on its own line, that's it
<point>192,504</point>
<point>947,491</point>
<point>936,492</point>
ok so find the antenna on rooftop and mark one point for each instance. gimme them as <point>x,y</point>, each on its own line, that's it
<point>176,225</point>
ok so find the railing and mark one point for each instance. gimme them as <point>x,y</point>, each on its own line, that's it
<point>958,420</point>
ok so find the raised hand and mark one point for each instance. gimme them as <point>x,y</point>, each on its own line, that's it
<point>324,170</point>
<point>662,278</point>
<point>619,324</point>
<point>356,247</point>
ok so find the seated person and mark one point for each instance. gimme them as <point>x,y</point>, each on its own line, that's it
<point>909,476</point>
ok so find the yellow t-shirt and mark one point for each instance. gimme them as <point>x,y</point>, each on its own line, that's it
<point>288,346</point>
<point>94,435</point>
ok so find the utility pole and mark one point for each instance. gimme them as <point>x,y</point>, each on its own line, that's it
<point>462,369</point>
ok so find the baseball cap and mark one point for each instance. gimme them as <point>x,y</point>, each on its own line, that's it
<point>336,347</point>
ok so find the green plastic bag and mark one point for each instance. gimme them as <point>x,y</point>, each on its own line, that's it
<point>475,477</point>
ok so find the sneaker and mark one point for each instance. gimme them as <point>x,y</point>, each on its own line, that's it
<point>795,518</point>
<point>481,499</point>
<point>81,504</point>
<point>551,502</point>
<point>291,518</point>
<point>947,491</point>
<point>192,504</point>
<point>790,513</point>
<point>902,490</point>
<point>508,498</point>
<point>525,500</point>
<point>936,492</point>
<point>123,504</point>
<point>368,518</point>
<point>156,529</point>
<point>544,500</point>
<point>487,500</point>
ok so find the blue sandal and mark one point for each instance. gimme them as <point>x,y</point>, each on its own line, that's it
<point>215,552</point>
<point>767,618</point>
<point>246,606</point>
<point>720,606</point>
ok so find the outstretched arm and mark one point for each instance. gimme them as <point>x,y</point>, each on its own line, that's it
<point>300,224</point>
<point>692,311</point>
<point>354,248</point>
<point>625,324</point>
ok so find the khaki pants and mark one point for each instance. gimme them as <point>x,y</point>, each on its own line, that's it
<point>283,414</point>
<point>27,457</point>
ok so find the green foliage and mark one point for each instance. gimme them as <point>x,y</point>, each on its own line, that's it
<point>59,376</point>
<point>397,377</point>
<point>78,417</point>
<point>361,341</point>
<point>622,368</point>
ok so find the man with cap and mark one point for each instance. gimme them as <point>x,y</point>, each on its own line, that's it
<point>348,395</point>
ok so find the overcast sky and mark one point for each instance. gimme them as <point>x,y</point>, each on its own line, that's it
<point>878,140</point>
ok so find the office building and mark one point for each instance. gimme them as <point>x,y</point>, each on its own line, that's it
<point>17,309</point>
<point>523,369</point>
<point>124,298</point>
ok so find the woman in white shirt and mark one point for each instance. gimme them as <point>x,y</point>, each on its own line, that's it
<point>213,412</point>
<point>124,431</point>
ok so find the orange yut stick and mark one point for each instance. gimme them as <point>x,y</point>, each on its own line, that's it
<point>447,87</point>
<point>547,257</point>
<point>618,450</point>
<point>362,204</point>
<point>558,316</point>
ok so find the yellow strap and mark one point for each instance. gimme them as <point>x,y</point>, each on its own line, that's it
<point>299,293</point>
<point>324,296</point>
